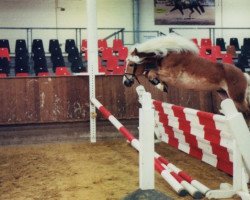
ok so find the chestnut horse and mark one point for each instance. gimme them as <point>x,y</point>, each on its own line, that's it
<point>174,60</point>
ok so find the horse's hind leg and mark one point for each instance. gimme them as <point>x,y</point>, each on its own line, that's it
<point>197,9</point>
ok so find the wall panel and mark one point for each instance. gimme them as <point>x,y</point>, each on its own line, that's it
<point>66,99</point>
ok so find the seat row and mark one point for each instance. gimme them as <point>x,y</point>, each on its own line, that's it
<point>111,60</point>
<point>215,54</point>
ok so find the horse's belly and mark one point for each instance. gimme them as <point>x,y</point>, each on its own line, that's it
<point>191,82</point>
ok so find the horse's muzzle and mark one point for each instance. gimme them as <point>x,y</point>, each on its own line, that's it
<point>128,82</point>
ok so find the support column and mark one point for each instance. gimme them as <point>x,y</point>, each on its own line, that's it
<point>92,61</point>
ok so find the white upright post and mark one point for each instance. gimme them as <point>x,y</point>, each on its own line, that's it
<point>146,138</point>
<point>239,130</point>
<point>92,61</point>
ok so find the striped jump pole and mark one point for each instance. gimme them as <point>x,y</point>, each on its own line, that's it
<point>178,188</point>
<point>221,141</point>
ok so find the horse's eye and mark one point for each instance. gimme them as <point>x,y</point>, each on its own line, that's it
<point>132,65</point>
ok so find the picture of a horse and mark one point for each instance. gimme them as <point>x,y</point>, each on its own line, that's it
<point>184,12</point>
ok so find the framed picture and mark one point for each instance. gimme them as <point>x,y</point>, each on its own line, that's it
<point>184,12</point>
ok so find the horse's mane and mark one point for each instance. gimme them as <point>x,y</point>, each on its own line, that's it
<point>161,46</point>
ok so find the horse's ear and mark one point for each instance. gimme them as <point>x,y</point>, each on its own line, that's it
<point>135,51</point>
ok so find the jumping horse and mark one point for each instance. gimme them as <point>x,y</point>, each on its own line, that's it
<point>174,60</point>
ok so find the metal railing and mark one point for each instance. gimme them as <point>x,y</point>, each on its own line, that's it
<point>212,32</point>
<point>47,33</point>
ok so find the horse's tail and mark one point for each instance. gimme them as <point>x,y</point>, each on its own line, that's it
<point>238,87</point>
<point>248,87</point>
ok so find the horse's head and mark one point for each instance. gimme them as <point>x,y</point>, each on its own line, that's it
<point>136,65</point>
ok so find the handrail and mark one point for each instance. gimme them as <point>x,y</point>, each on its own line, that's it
<point>210,29</point>
<point>115,34</point>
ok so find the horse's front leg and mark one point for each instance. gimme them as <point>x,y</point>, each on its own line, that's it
<point>153,78</point>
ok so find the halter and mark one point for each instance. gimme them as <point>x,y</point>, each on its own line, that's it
<point>134,65</point>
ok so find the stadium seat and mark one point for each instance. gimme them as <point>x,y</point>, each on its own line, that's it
<point>206,42</point>
<point>102,44</point>
<point>21,44</point>
<point>77,65</point>
<point>21,64</point>
<point>20,51</point>
<point>53,44</point>
<point>243,63</point>
<point>231,50</point>
<point>216,51</point>
<point>117,44</point>
<point>56,52</point>
<point>234,42</point>
<point>73,52</point>
<point>3,75</point>
<point>122,56</point>
<point>4,53</point>
<point>246,42</point>
<point>245,50</point>
<point>112,62</point>
<point>68,44</point>
<point>42,74</point>
<point>22,74</point>
<point>57,62</point>
<point>62,71</point>
<point>84,45</point>
<point>227,58</point>
<point>40,65</point>
<point>37,44</point>
<point>4,66</point>
<point>195,41</point>
<point>221,42</point>
<point>106,54</point>
<point>203,51</point>
<point>4,43</point>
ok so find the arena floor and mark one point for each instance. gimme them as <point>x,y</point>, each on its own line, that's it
<point>106,170</point>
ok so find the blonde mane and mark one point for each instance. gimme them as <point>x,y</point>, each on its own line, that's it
<point>161,46</point>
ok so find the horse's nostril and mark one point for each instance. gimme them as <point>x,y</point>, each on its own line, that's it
<point>128,83</point>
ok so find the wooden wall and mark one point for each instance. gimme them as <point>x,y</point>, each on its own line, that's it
<point>66,99</point>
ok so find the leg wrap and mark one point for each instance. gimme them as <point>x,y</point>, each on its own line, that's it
<point>155,81</point>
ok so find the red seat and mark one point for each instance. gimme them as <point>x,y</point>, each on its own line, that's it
<point>3,75</point>
<point>211,58</point>
<point>227,58</point>
<point>101,68</point>
<point>22,74</point>
<point>107,53</point>
<point>84,45</point>
<point>117,44</point>
<point>203,51</point>
<point>102,44</point>
<point>206,42</point>
<point>122,56</point>
<point>4,52</point>
<point>112,63</point>
<point>62,71</point>
<point>216,51</point>
<point>123,53</point>
<point>195,41</point>
<point>41,74</point>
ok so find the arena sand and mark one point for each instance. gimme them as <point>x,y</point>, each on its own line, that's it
<point>106,170</point>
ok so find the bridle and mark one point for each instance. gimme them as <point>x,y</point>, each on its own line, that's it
<point>134,65</point>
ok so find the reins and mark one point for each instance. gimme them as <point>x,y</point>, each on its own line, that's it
<point>133,74</point>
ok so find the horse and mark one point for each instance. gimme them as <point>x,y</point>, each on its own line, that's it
<point>174,60</point>
<point>188,4</point>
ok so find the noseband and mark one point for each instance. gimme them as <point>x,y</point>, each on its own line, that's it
<point>134,65</point>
